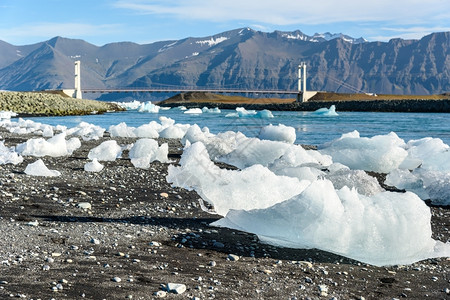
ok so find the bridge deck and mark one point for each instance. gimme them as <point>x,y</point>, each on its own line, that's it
<point>186,90</point>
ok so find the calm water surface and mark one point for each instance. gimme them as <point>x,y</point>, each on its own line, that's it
<point>311,129</point>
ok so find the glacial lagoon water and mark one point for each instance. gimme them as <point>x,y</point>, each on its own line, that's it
<point>310,128</point>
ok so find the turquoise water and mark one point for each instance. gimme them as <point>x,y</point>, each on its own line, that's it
<point>311,129</point>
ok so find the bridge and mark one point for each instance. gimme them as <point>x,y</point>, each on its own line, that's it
<point>187,90</point>
<point>301,93</point>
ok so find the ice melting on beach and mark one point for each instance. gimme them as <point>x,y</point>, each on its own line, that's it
<point>93,166</point>
<point>253,187</point>
<point>381,153</point>
<point>8,155</point>
<point>38,168</point>
<point>106,151</point>
<point>280,133</point>
<point>384,229</point>
<point>56,146</point>
<point>146,151</point>
<point>300,198</point>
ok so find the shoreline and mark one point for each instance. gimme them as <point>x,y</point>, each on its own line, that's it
<point>425,106</point>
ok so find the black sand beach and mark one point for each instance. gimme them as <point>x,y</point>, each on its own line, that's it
<point>141,234</point>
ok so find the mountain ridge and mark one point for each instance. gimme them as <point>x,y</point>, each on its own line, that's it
<point>241,58</point>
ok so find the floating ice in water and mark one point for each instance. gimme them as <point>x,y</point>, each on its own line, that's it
<point>253,187</point>
<point>385,229</point>
<point>280,133</point>
<point>381,153</point>
<point>146,151</point>
<point>148,107</point>
<point>194,111</point>
<point>214,110</point>
<point>8,155</point>
<point>56,146</point>
<point>181,107</point>
<point>93,166</point>
<point>38,168</point>
<point>243,113</point>
<point>106,151</point>
<point>326,111</point>
<point>133,105</point>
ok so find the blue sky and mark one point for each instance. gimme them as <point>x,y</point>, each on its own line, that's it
<point>100,22</point>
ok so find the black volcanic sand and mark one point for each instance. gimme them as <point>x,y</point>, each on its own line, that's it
<point>75,253</point>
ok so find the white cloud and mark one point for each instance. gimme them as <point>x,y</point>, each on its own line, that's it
<point>48,30</point>
<point>288,12</point>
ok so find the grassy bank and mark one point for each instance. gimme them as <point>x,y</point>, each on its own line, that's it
<point>51,104</point>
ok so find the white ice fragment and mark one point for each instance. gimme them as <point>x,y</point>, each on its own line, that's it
<point>56,146</point>
<point>176,131</point>
<point>279,133</point>
<point>329,112</point>
<point>8,155</point>
<point>148,107</point>
<point>93,166</point>
<point>214,110</point>
<point>385,229</point>
<point>253,187</point>
<point>38,168</point>
<point>381,153</point>
<point>106,151</point>
<point>146,151</point>
<point>193,111</point>
<point>121,130</point>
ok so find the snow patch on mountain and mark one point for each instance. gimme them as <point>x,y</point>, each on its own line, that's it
<point>212,41</point>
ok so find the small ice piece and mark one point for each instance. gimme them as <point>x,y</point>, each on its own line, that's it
<point>47,131</point>
<point>87,131</point>
<point>121,130</point>
<point>146,151</point>
<point>193,111</point>
<point>381,153</point>
<point>329,112</point>
<point>106,151</point>
<point>93,166</point>
<point>148,107</point>
<point>432,152</point>
<point>214,110</point>
<point>8,155</point>
<point>385,229</point>
<point>253,187</point>
<point>243,113</point>
<point>176,131</point>
<point>133,105</point>
<point>56,146</point>
<point>149,130</point>
<point>281,133</point>
<point>38,168</point>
